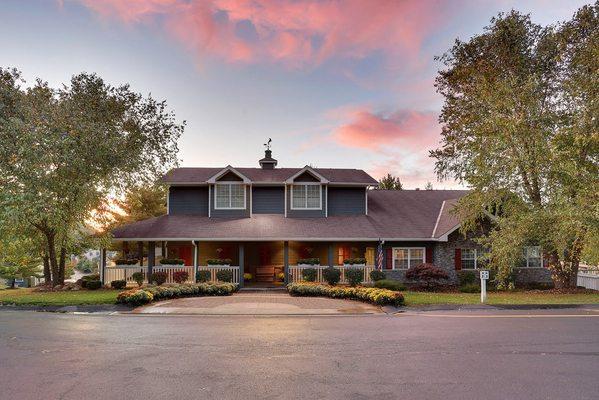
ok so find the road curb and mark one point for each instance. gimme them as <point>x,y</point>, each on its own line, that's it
<point>84,308</point>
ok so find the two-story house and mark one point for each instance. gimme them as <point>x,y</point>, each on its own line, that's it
<point>267,218</point>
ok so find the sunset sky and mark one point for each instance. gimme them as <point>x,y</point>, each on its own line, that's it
<point>345,83</point>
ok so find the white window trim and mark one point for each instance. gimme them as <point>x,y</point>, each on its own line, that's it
<point>216,207</point>
<point>409,258</point>
<point>475,260</point>
<point>528,259</point>
<point>307,184</point>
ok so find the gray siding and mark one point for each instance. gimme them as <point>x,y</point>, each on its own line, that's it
<point>245,213</point>
<point>188,200</point>
<point>307,213</point>
<point>347,201</point>
<point>268,200</point>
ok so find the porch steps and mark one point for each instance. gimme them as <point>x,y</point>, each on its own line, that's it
<point>265,274</point>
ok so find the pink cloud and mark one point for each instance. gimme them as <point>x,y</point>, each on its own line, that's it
<point>412,129</point>
<point>294,33</point>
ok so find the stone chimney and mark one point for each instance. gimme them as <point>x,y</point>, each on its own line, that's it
<point>268,162</point>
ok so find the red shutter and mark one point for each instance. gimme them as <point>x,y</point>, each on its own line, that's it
<point>429,255</point>
<point>389,260</point>
<point>458,259</point>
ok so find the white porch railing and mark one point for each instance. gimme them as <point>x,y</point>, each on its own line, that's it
<point>295,273</point>
<point>126,273</point>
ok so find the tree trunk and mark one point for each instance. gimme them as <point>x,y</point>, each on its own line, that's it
<point>47,274</point>
<point>50,241</point>
<point>13,281</point>
<point>61,264</point>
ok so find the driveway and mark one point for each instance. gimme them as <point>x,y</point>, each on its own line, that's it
<point>256,303</point>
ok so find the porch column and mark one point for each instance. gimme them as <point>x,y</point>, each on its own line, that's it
<point>241,257</point>
<point>151,258</point>
<point>125,249</point>
<point>140,253</point>
<point>102,265</point>
<point>286,260</point>
<point>196,258</point>
<point>330,255</point>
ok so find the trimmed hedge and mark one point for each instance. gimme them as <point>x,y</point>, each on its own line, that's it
<point>389,284</point>
<point>381,297</point>
<point>332,275</point>
<point>93,285</point>
<point>202,276</point>
<point>354,276</point>
<point>309,274</point>
<point>377,275</point>
<point>152,293</point>
<point>118,284</point>
<point>224,275</point>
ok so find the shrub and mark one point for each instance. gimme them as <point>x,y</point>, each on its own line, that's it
<point>224,275</point>
<point>469,288</point>
<point>118,284</point>
<point>281,276</point>
<point>376,296</point>
<point>219,261</point>
<point>377,275</point>
<point>466,278</point>
<point>202,276</point>
<point>389,284</point>
<point>93,285</point>
<point>87,278</point>
<point>353,261</point>
<point>138,277</point>
<point>332,275</point>
<point>180,276</point>
<point>309,261</point>
<point>172,261</point>
<point>175,290</point>
<point>135,297</point>
<point>427,277</point>
<point>309,274</point>
<point>354,276</point>
<point>126,261</point>
<point>158,277</point>
<point>247,276</point>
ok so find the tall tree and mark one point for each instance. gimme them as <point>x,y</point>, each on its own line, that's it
<point>65,150</point>
<point>19,259</point>
<point>519,126</point>
<point>139,203</point>
<point>390,182</point>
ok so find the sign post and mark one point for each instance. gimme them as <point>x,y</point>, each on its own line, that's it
<point>484,276</point>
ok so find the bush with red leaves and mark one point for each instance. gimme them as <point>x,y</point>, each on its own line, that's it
<point>428,277</point>
<point>180,276</point>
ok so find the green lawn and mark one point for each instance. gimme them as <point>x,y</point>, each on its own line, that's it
<point>424,298</point>
<point>28,297</point>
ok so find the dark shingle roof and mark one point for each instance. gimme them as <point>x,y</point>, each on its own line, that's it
<point>406,214</point>
<point>277,175</point>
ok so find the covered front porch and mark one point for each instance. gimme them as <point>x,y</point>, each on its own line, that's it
<point>252,263</point>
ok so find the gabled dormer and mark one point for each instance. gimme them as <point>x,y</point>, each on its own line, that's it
<point>228,192</point>
<point>306,194</point>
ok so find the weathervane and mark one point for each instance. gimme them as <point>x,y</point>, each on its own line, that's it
<point>267,144</point>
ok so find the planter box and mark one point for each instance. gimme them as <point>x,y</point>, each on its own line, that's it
<point>218,265</point>
<point>170,265</point>
<point>309,265</point>
<point>127,266</point>
<point>354,265</point>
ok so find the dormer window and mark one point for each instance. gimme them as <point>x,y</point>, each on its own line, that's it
<point>306,196</point>
<point>229,196</point>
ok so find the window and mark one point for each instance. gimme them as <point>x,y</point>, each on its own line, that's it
<point>469,259</point>
<point>343,254</point>
<point>229,196</point>
<point>404,258</point>
<point>306,196</point>
<point>532,254</point>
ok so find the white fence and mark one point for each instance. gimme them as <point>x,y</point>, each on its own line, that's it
<point>295,273</point>
<point>126,273</point>
<point>588,279</point>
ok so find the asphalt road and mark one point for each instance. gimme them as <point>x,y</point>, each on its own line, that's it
<point>434,355</point>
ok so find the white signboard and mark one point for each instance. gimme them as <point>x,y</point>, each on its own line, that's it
<point>484,274</point>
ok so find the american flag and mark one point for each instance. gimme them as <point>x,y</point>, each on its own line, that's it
<point>379,256</point>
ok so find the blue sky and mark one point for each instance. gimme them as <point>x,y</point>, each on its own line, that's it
<point>333,83</point>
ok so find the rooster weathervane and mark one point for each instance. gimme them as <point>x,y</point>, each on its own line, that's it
<point>267,144</point>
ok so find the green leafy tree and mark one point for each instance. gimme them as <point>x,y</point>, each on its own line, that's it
<point>520,127</point>
<point>66,150</point>
<point>19,260</point>
<point>429,186</point>
<point>139,203</point>
<point>390,182</point>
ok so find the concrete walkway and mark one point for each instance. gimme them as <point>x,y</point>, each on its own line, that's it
<point>255,303</point>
